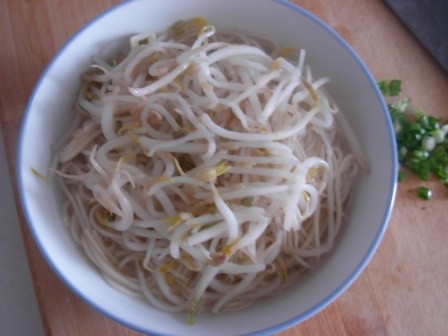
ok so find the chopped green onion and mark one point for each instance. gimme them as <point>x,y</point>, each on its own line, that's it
<point>444,129</point>
<point>402,105</point>
<point>390,88</point>
<point>428,143</point>
<point>424,193</point>
<point>421,139</point>
<point>433,122</point>
<point>438,135</point>
<point>401,176</point>
<point>421,154</point>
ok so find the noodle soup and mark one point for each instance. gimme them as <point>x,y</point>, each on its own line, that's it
<point>205,168</point>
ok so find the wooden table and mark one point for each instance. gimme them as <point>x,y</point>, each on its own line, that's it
<point>404,290</point>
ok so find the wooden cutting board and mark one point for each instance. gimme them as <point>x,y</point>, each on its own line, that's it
<point>404,290</point>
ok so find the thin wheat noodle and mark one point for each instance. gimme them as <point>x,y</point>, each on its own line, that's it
<point>205,168</point>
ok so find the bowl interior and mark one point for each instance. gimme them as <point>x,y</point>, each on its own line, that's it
<point>352,87</point>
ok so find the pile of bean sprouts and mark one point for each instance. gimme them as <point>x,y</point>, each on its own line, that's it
<point>205,168</point>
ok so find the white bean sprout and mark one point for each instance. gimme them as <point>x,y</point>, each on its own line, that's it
<point>205,169</point>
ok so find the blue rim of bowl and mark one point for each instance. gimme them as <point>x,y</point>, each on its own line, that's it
<point>317,307</point>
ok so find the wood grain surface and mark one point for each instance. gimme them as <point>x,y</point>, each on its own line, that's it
<point>403,291</point>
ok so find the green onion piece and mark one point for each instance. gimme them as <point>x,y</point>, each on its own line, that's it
<point>433,122</point>
<point>390,88</point>
<point>424,193</point>
<point>438,135</point>
<point>401,105</point>
<point>444,129</point>
<point>416,127</point>
<point>428,143</point>
<point>440,172</point>
<point>394,87</point>
<point>421,139</point>
<point>421,154</point>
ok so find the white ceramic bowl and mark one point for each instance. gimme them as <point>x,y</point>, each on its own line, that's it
<point>353,88</point>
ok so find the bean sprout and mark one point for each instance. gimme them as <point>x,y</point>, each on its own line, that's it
<point>204,171</point>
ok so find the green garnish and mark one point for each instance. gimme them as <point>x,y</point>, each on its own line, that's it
<point>401,176</point>
<point>424,193</point>
<point>422,144</point>
<point>422,139</point>
<point>390,88</point>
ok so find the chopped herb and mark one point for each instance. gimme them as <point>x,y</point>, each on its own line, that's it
<point>424,193</point>
<point>421,139</point>
<point>390,88</point>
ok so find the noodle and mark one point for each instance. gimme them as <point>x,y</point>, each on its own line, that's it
<point>204,171</point>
